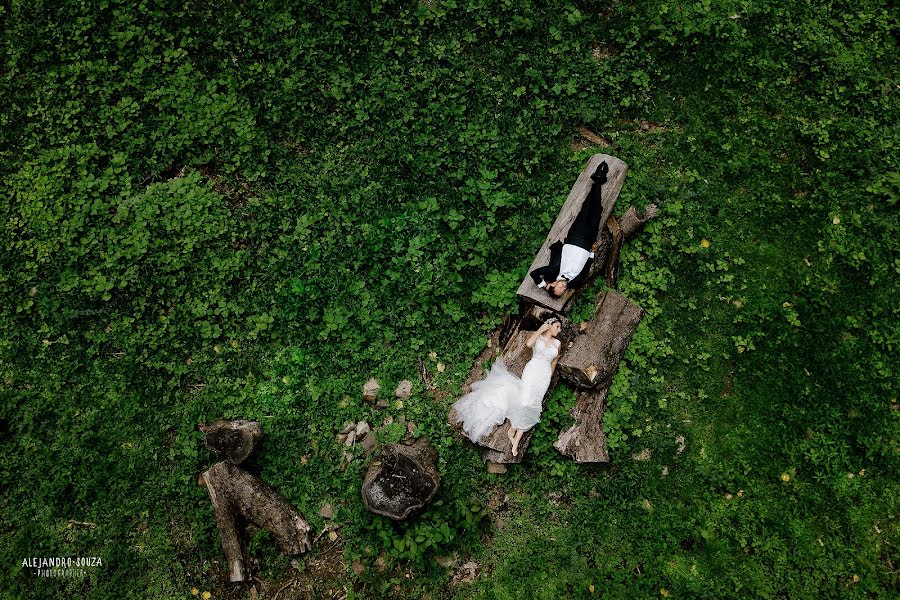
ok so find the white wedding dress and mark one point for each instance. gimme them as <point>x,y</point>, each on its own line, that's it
<point>501,395</point>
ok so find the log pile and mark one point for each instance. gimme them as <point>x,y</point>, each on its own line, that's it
<point>238,497</point>
<point>589,355</point>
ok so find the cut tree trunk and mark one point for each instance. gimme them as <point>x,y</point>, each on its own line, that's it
<point>593,358</point>
<point>402,481</point>
<point>585,441</point>
<point>615,178</point>
<point>634,220</point>
<point>235,494</point>
<point>232,440</point>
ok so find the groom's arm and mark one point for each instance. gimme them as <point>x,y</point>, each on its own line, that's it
<point>542,274</point>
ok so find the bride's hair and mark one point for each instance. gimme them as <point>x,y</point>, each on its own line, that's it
<point>551,321</point>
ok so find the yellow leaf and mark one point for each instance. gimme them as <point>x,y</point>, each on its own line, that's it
<point>836,220</point>
<point>206,595</point>
<point>194,591</point>
<point>785,477</point>
<point>705,243</point>
<point>441,367</point>
<point>591,588</point>
<point>664,593</point>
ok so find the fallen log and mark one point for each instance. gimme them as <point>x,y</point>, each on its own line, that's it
<point>232,440</point>
<point>593,358</point>
<point>585,441</point>
<point>403,480</point>
<point>530,292</point>
<point>634,220</point>
<point>235,494</point>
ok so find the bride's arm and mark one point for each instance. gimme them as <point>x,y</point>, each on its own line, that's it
<point>534,336</point>
<point>553,364</point>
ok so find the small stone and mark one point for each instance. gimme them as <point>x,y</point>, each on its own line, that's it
<point>446,561</point>
<point>404,389</point>
<point>332,535</point>
<point>382,403</point>
<point>728,496</point>
<point>358,568</point>
<point>351,439</point>
<point>441,367</point>
<point>362,428</point>
<point>665,471</point>
<point>327,511</point>
<point>381,563</point>
<point>642,455</point>
<point>645,126</point>
<point>304,460</point>
<point>371,389</point>
<point>388,420</point>
<point>496,468</point>
<point>340,438</point>
<point>647,505</point>
<point>500,524</point>
<point>582,327</point>
<point>410,428</point>
<point>368,444</point>
<point>348,427</point>
<point>682,444</point>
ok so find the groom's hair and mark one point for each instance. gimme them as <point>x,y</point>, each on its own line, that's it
<point>556,291</point>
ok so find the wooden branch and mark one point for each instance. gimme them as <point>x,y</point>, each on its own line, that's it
<point>528,291</point>
<point>585,441</point>
<point>612,264</point>
<point>402,481</point>
<point>235,493</point>
<point>593,358</point>
<point>232,440</point>
<point>634,220</point>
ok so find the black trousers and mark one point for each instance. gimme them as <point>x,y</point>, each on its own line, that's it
<point>584,230</point>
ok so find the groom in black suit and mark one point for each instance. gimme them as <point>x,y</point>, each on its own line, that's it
<point>570,260</point>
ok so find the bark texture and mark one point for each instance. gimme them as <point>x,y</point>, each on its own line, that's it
<point>236,494</point>
<point>594,356</point>
<point>585,441</point>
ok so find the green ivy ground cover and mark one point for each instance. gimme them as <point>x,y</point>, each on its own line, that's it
<point>247,209</point>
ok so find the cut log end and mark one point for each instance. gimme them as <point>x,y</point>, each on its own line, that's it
<point>232,440</point>
<point>403,481</point>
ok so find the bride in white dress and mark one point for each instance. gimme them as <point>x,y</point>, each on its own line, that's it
<point>501,395</point>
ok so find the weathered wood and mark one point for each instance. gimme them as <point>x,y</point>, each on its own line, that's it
<point>634,220</point>
<point>593,358</point>
<point>528,291</point>
<point>585,441</point>
<point>612,263</point>
<point>232,440</point>
<point>403,480</point>
<point>235,493</point>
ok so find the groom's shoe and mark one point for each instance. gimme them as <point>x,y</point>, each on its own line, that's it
<point>600,174</point>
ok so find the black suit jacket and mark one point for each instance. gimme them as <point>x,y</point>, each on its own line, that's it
<point>551,271</point>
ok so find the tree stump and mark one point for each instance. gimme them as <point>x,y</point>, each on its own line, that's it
<point>232,440</point>
<point>235,494</point>
<point>402,481</point>
<point>585,441</point>
<point>530,292</point>
<point>593,358</point>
